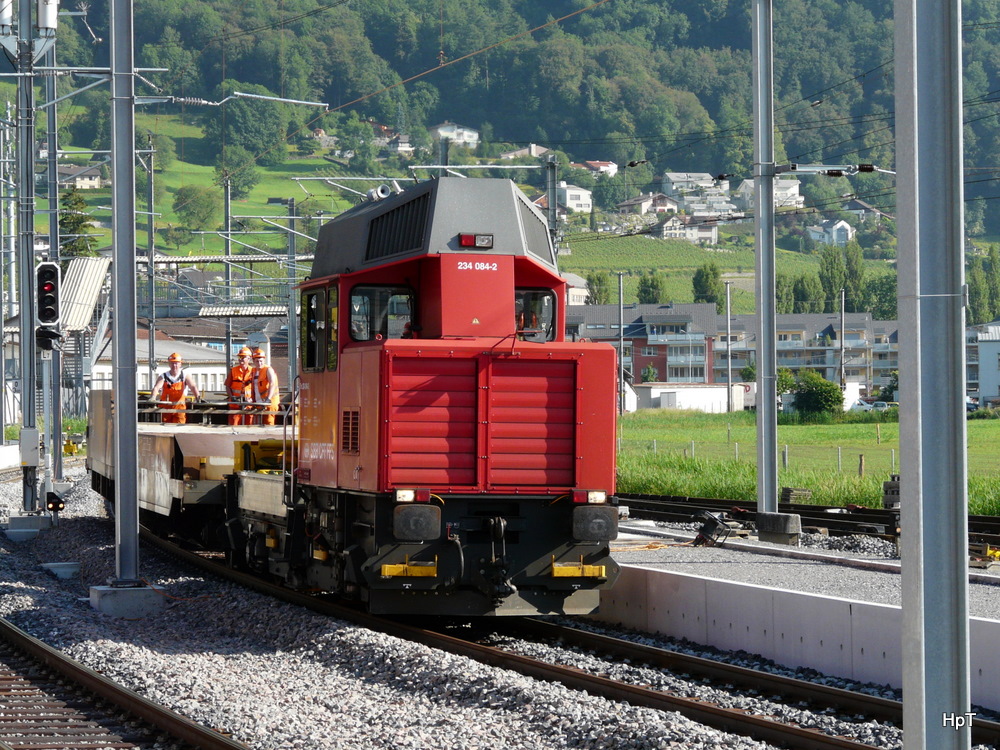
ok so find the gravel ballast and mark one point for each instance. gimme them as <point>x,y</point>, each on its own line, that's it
<point>277,676</point>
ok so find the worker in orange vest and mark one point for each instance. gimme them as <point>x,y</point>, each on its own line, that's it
<point>265,387</point>
<point>172,386</point>
<point>238,388</point>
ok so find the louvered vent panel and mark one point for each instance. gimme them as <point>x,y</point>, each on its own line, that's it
<point>432,422</point>
<point>532,433</point>
<point>398,231</point>
<point>350,432</point>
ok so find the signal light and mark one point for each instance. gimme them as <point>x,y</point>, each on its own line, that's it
<point>47,290</point>
<point>480,241</point>
<point>53,502</point>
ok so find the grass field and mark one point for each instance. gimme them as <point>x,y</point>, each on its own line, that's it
<point>714,455</point>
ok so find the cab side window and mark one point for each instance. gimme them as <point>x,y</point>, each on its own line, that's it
<point>382,312</point>
<point>313,329</point>
<point>535,314</point>
<point>332,349</point>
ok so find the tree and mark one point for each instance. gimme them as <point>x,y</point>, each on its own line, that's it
<point>814,394</point>
<point>256,125</point>
<point>832,277</point>
<point>854,278</point>
<point>177,236</point>
<point>786,381</point>
<point>784,294</point>
<point>237,165</point>
<point>74,225</point>
<point>598,288</point>
<point>808,293</point>
<point>197,207</point>
<point>650,374</point>
<point>880,296</point>
<point>993,282</point>
<point>650,289</point>
<point>748,374</point>
<point>708,287</point>
<point>979,298</point>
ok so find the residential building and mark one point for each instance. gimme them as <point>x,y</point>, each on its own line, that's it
<point>577,199</point>
<point>81,178</point>
<point>598,168</point>
<point>673,342</point>
<point>457,134</point>
<point>786,194</point>
<point>649,203</point>
<point>531,150</point>
<point>832,232</point>
<point>679,184</point>
<point>576,289</point>
<point>700,231</point>
<point>864,211</point>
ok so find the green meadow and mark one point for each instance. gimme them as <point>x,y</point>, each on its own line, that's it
<point>715,455</point>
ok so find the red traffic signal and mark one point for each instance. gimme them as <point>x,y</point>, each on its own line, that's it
<point>47,291</point>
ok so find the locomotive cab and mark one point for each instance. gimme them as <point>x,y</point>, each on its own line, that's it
<point>453,445</point>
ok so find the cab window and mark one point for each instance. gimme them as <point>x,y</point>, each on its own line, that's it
<point>535,314</point>
<point>331,351</point>
<point>384,312</point>
<point>313,329</point>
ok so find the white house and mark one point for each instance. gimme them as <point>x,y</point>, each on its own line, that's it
<point>680,183</point>
<point>786,194</point>
<point>649,203</point>
<point>457,134</point>
<point>530,150</point>
<point>832,232</point>
<point>576,289</point>
<point>687,228</point>
<point>575,198</point>
<point>707,397</point>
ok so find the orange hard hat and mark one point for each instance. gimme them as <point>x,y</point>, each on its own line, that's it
<point>175,357</point>
<point>259,354</point>
<point>245,352</point>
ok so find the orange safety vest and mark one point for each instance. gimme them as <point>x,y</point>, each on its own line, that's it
<point>261,385</point>
<point>239,383</point>
<point>173,390</point>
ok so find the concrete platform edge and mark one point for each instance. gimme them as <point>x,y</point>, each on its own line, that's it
<point>844,638</point>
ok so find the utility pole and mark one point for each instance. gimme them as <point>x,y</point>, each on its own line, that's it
<point>621,344</point>
<point>227,206</point>
<point>293,329</point>
<point>54,420</point>
<point>150,265</point>
<point>843,345</point>
<point>124,379</point>
<point>729,351</point>
<point>764,170</point>
<point>23,52</point>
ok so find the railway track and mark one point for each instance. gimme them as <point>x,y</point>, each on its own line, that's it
<point>50,701</point>
<point>764,728</point>
<point>837,520</point>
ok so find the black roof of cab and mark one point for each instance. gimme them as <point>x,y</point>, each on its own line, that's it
<point>426,219</point>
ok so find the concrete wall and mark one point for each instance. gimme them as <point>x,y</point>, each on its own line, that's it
<point>851,639</point>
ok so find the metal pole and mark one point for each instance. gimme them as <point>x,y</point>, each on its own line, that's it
<point>550,190</point>
<point>764,168</point>
<point>933,490</point>
<point>11,208</point>
<point>729,351</point>
<point>123,288</point>
<point>150,251</point>
<point>843,350</point>
<point>52,167</point>
<point>621,345</point>
<point>26,244</point>
<point>227,199</point>
<point>293,328</point>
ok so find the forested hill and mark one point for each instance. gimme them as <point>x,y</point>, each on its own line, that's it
<point>668,81</point>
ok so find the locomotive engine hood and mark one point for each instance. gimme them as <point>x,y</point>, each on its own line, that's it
<point>428,219</point>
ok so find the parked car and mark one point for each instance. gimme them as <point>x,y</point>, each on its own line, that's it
<point>881,406</point>
<point>860,405</point>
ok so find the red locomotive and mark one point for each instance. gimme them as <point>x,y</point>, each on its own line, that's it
<point>455,455</point>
